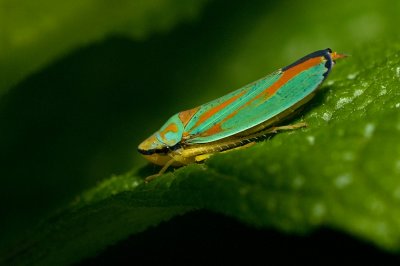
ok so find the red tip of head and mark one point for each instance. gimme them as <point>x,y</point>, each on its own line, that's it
<point>335,55</point>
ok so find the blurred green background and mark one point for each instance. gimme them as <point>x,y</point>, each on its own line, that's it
<point>83,82</point>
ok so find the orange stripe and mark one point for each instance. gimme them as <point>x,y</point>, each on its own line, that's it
<point>216,109</point>
<point>185,116</point>
<point>286,76</point>
<point>212,130</point>
<point>290,73</point>
<point>217,127</point>
<point>171,127</point>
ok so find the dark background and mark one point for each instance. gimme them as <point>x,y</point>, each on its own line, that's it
<point>204,238</point>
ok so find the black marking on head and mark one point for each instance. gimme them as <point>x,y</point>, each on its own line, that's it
<point>164,150</point>
<point>325,53</point>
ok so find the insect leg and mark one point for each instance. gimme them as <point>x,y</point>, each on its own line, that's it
<point>203,157</point>
<point>163,169</point>
<point>287,127</point>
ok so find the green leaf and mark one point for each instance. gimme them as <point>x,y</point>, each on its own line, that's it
<point>32,34</point>
<point>342,172</point>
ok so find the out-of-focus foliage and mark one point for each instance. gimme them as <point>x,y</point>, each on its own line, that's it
<point>33,33</point>
<point>79,118</point>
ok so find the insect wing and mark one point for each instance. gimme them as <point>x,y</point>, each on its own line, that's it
<point>259,101</point>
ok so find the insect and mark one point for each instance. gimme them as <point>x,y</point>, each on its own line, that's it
<point>240,118</point>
